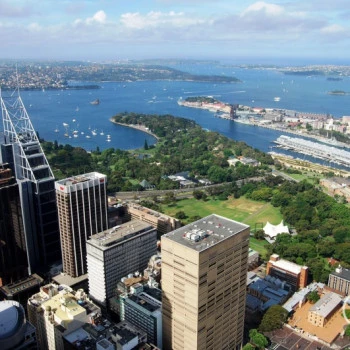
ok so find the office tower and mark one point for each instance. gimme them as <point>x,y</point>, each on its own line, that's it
<point>20,147</point>
<point>116,252</point>
<point>82,210</point>
<point>15,331</point>
<point>13,250</point>
<point>204,272</point>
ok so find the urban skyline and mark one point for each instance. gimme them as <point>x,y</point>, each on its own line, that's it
<point>100,30</point>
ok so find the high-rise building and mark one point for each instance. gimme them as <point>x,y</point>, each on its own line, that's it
<point>21,149</point>
<point>204,272</point>
<point>13,250</point>
<point>82,209</point>
<point>117,252</point>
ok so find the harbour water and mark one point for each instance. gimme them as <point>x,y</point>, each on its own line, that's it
<point>56,113</point>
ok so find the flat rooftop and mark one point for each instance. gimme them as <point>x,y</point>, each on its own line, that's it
<point>117,234</point>
<point>73,180</point>
<point>19,286</point>
<point>205,232</point>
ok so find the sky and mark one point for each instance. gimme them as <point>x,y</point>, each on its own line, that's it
<point>101,30</point>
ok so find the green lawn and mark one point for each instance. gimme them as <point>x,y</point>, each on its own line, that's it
<point>252,213</point>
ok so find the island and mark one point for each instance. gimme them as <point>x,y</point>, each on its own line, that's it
<point>337,92</point>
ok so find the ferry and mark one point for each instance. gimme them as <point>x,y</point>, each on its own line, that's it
<point>95,102</point>
<point>277,99</point>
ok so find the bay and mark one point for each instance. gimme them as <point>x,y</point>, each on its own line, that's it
<point>71,110</point>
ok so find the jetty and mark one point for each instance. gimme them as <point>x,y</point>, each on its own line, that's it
<point>314,149</point>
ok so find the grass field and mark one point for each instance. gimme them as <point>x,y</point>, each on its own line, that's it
<point>253,213</point>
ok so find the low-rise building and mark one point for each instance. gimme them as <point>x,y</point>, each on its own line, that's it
<point>285,270</point>
<point>323,309</point>
<point>163,223</point>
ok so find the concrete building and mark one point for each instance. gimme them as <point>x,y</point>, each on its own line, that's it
<point>339,280</point>
<point>56,311</point>
<point>143,308</point>
<point>204,271</point>
<point>114,253</point>
<point>15,331</point>
<point>323,309</point>
<point>13,248</point>
<point>82,209</point>
<point>292,273</point>
<point>21,149</point>
<point>163,223</point>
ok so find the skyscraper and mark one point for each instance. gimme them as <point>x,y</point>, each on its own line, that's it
<point>82,209</point>
<point>21,149</point>
<point>13,250</point>
<point>204,271</point>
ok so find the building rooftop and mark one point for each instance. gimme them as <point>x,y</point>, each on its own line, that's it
<point>73,180</point>
<point>326,304</point>
<point>117,234</point>
<point>145,302</point>
<point>28,283</point>
<point>205,232</point>
<point>10,312</point>
<point>287,266</point>
<point>342,273</point>
<point>70,281</point>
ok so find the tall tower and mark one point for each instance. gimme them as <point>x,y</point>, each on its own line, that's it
<point>82,210</point>
<point>204,271</point>
<point>13,250</point>
<point>22,150</point>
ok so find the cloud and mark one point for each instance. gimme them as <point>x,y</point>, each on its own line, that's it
<point>263,7</point>
<point>98,17</point>
<point>156,19</point>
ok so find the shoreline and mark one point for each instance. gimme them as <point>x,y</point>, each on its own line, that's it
<point>137,127</point>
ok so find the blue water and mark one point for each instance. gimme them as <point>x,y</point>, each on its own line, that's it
<point>50,109</point>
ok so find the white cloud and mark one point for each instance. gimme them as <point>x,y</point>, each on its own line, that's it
<point>266,8</point>
<point>156,19</point>
<point>98,17</point>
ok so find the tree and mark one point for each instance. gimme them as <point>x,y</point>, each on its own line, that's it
<point>313,297</point>
<point>347,331</point>
<point>259,234</point>
<point>248,346</point>
<point>274,318</point>
<point>257,339</point>
<point>145,145</point>
<point>180,215</point>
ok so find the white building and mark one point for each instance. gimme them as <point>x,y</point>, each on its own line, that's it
<point>117,252</point>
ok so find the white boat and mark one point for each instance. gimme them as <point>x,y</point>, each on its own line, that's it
<point>108,136</point>
<point>75,135</point>
<point>73,120</point>
<point>56,130</point>
<point>93,132</point>
<point>75,132</point>
<point>276,99</point>
<point>65,124</point>
<point>82,133</point>
<point>102,133</point>
<point>108,140</point>
<point>88,137</point>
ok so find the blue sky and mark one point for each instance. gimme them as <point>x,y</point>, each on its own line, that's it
<point>197,29</point>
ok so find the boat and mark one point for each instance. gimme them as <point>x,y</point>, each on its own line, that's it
<point>102,133</point>
<point>66,135</point>
<point>75,132</point>
<point>74,120</point>
<point>75,135</point>
<point>77,109</point>
<point>108,140</point>
<point>82,133</point>
<point>65,124</point>
<point>88,137</point>
<point>108,136</point>
<point>95,102</point>
<point>93,132</point>
<point>276,99</point>
<point>56,130</point>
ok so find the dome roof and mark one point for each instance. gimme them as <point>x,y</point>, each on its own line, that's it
<point>9,317</point>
